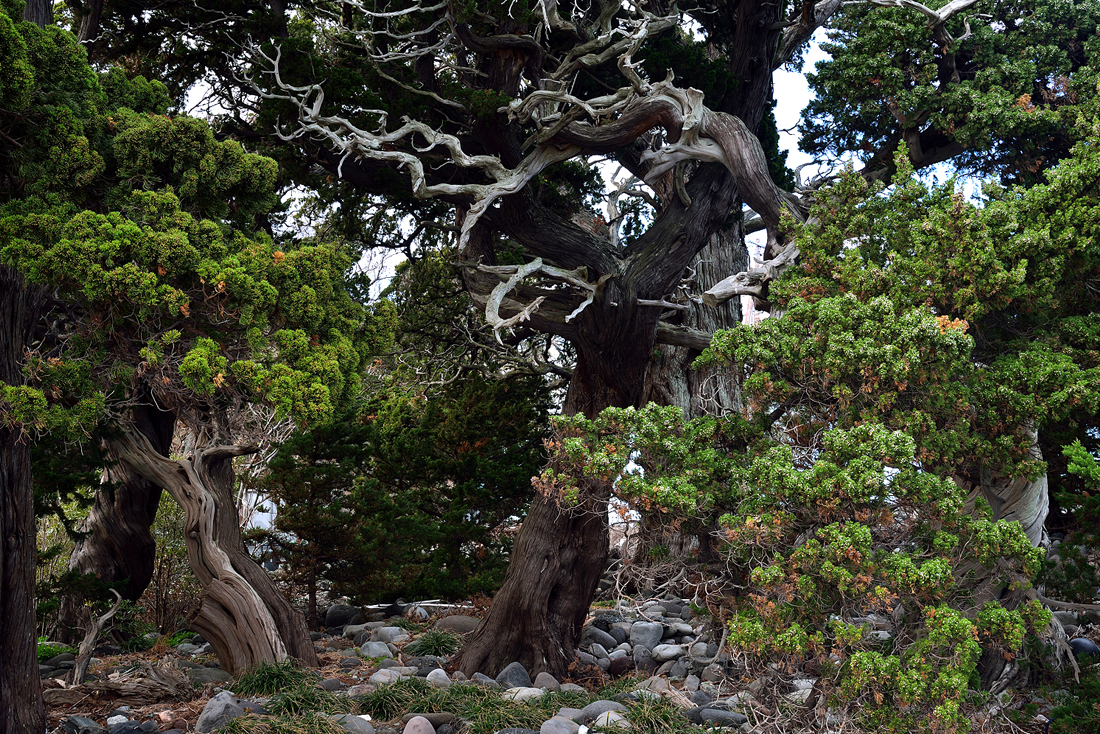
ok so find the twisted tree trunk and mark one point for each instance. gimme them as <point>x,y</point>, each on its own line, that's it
<point>118,545</point>
<point>243,614</point>
<point>21,707</point>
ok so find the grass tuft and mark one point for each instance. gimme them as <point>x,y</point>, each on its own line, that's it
<point>309,698</point>
<point>306,723</point>
<point>434,642</point>
<point>482,708</point>
<point>269,678</point>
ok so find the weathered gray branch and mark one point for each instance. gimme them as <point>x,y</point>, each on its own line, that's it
<point>753,281</point>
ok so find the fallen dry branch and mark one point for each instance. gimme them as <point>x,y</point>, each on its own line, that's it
<point>140,686</point>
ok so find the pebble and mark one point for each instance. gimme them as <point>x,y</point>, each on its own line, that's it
<point>547,682</point>
<point>646,634</point>
<point>384,676</point>
<point>418,725</point>
<point>611,719</point>
<point>438,678</point>
<point>514,675</point>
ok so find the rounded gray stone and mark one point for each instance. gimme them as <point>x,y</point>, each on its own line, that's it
<point>389,634</point>
<point>514,675</point>
<point>219,711</point>
<point>438,678</point>
<point>418,725</point>
<point>646,634</point>
<point>457,623</point>
<point>597,635</point>
<point>594,709</point>
<point>353,724</point>
<point>661,653</point>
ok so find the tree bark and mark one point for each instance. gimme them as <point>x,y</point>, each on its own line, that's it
<point>670,379</point>
<point>39,12</point>
<point>118,546</point>
<point>537,615</point>
<point>243,614</point>
<point>21,706</point>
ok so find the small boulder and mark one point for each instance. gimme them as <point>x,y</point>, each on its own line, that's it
<point>594,709</point>
<point>597,635</point>
<point>546,682</point>
<point>559,725</point>
<point>523,694</point>
<point>219,711</point>
<point>384,676</point>
<point>389,634</point>
<point>646,634</point>
<point>514,675</point>
<point>611,720</point>
<point>353,724</point>
<point>458,623</point>
<point>418,725</point>
<point>438,678</point>
<point>375,649</point>
<point>436,719</point>
<point>661,653</point>
<point>483,680</point>
<point>81,725</point>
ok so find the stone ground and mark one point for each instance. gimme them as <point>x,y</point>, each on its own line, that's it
<point>668,651</point>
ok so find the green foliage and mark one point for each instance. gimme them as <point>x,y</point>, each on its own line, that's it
<point>147,226</point>
<point>1023,75</point>
<point>1077,710</point>
<point>308,698</point>
<point>47,651</point>
<point>1071,575</point>
<point>410,494</point>
<point>434,642</point>
<point>268,679</point>
<point>482,708</point>
<point>304,723</point>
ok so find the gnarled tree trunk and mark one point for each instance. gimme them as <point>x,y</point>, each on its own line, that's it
<point>1019,499</point>
<point>243,614</point>
<point>21,708</point>
<point>118,546</point>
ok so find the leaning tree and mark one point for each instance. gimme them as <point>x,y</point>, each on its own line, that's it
<point>135,238</point>
<point>499,110</point>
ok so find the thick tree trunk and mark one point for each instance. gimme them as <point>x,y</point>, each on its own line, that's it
<point>670,379</point>
<point>1026,501</point>
<point>537,615</point>
<point>243,614</point>
<point>119,547</point>
<point>39,12</point>
<point>21,707</point>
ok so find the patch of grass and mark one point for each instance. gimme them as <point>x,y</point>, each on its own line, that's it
<point>268,678</point>
<point>178,638</point>
<point>434,642</point>
<point>483,708</point>
<point>310,699</point>
<point>406,624</point>
<point>658,716</point>
<point>306,723</point>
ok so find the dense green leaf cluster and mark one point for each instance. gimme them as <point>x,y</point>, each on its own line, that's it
<point>1007,91</point>
<point>413,493</point>
<point>148,228</point>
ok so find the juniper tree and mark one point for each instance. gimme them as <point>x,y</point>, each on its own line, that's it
<point>138,279</point>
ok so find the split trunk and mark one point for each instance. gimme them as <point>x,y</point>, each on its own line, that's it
<point>243,614</point>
